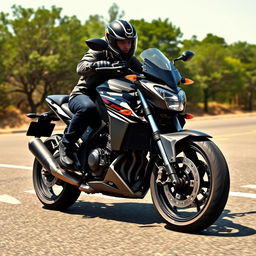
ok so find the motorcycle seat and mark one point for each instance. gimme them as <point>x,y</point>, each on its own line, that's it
<point>59,99</point>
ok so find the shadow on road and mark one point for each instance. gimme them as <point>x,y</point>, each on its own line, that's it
<point>225,227</point>
<point>145,215</point>
<point>139,213</point>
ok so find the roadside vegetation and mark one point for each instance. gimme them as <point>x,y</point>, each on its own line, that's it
<point>40,49</point>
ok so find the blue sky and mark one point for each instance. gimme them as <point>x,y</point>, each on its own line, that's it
<point>234,20</point>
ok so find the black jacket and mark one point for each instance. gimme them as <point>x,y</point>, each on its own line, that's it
<point>90,78</point>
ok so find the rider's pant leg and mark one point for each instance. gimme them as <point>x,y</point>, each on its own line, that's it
<point>85,114</point>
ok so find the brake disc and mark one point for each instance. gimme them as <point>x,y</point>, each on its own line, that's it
<point>184,196</point>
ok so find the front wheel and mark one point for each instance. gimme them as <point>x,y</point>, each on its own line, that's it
<point>200,199</point>
<point>53,193</point>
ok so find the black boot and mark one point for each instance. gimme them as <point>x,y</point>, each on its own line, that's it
<point>68,158</point>
<point>66,155</point>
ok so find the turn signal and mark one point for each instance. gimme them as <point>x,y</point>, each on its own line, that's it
<point>188,81</point>
<point>132,78</point>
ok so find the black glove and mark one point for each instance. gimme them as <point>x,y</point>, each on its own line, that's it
<point>101,64</point>
<point>121,63</point>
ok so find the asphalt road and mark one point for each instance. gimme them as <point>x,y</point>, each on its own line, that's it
<point>98,225</point>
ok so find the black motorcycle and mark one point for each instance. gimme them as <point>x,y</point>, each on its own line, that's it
<point>140,144</point>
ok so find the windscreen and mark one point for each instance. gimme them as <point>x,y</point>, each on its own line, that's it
<point>157,57</point>
<point>156,64</point>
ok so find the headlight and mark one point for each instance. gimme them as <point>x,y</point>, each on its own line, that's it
<point>173,101</point>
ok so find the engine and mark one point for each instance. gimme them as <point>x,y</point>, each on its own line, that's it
<point>98,161</point>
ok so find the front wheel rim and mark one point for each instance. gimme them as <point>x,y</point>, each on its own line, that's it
<point>188,205</point>
<point>190,179</point>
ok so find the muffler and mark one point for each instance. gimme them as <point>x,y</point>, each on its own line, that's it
<point>46,159</point>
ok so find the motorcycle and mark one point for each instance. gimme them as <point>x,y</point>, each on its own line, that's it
<point>140,145</point>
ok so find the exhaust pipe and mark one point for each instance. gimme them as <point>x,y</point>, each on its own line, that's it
<point>46,159</point>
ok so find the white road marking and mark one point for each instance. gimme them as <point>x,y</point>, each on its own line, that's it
<point>16,166</point>
<point>240,194</point>
<point>249,186</point>
<point>30,191</point>
<point>9,199</point>
<point>105,196</point>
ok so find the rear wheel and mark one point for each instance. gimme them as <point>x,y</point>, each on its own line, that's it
<point>53,193</point>
<point>203,193</point>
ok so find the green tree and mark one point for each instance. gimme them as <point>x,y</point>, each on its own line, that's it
<point>40,49</point>
<point>217,73</point>
<point>115,13</point>
<point>213,39</point>
<point>190,43</point>
<point>246,53</point>
<point>207,67</point>
<point>232,81</point>
<point>41,53</point>
<point>4,36</point>
<point>94,27</point>
<point>161,34</point>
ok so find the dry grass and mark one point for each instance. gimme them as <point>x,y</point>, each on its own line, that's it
<point>12,118</point>
<point>214,108</point>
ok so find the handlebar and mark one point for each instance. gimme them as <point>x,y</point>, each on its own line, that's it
<point>111,68</point>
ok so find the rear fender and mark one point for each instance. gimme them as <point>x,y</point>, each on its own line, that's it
<point>169,141</point>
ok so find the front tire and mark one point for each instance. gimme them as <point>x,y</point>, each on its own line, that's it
<point>53,193</point>
<point>203,194</point>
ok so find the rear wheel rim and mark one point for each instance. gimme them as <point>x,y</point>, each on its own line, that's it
<point>48,187</point>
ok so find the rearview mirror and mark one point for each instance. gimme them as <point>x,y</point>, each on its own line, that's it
<point>186,56</point>
<point>97,44</point>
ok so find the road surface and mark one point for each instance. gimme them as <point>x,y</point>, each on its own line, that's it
<point>99,225</point>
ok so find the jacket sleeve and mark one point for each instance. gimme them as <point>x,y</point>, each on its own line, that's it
<point>136,65</point>
<point>84,67</point>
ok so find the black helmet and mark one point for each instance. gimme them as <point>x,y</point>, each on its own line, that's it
<point>121,30</point>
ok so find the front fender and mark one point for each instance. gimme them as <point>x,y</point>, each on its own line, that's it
<point>169,141</point>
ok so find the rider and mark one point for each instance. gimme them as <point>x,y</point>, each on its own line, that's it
<point>121,37</point>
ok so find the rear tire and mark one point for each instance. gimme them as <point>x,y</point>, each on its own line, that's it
<point>204,193</point>
<point>53,193</point>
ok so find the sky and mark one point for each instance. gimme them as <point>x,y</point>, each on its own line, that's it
<point>234,20</point>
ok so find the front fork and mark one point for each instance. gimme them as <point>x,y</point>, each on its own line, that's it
<point>170,170</point>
